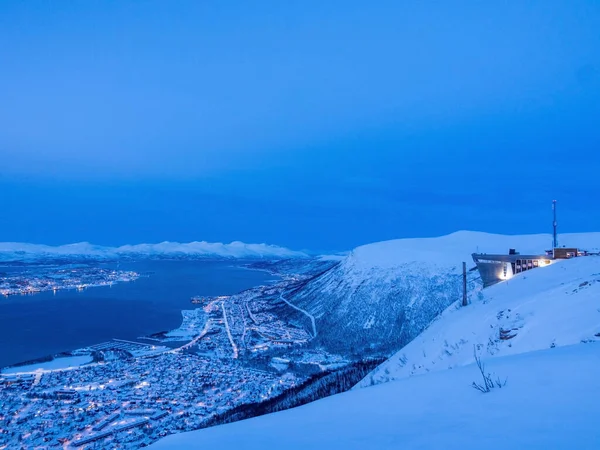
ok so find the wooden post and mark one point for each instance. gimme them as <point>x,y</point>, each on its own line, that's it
<point>464,301</point>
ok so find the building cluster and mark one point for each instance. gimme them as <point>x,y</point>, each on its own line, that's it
<point>127,402</point>
<point>495,268</point>
<point>43,279</point>
<point>232,351</point>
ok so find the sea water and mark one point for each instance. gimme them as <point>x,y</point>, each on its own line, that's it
<point>33,326</point>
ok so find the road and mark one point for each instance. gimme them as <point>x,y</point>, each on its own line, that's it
<point>306,313</point>
<point>195,340</point>
<point>235,349</point>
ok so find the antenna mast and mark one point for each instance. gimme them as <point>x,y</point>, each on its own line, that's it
<point>554,224</point>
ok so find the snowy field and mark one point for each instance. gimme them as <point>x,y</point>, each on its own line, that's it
<point>191,325</point>
<point>551,401</point>
<point>58,363</point>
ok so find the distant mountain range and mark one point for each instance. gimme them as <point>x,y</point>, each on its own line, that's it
<point>15,251</point>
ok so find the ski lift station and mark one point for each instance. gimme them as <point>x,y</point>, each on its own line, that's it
<point>496,268</point>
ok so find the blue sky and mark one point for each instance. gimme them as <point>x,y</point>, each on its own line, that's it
<point>315,125</point>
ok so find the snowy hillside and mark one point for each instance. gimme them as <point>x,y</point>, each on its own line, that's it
<point>549,402</point>
<point>383,295</point>
<point>446,250</point>
<point>540,331</point>
<point>11,251</point>
<point>548,307</point>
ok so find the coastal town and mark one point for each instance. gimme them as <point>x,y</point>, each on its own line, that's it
<point>230,351</point>
<point>41,279</point>
<point>126,402</point>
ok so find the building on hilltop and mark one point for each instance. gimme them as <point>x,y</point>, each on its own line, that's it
<point>496,268</point>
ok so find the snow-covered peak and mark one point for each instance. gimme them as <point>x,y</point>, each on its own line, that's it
<point>383,295</point>
<point>80,248</point>
<point>21,251</point>
<point>545,322</point>
<point>451,249</point>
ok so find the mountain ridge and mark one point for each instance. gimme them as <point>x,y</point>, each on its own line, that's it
<point>538,332</point>
<point>382,295</point>
<point>19,251</point>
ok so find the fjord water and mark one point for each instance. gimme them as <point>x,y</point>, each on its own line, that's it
<point>43,324</point>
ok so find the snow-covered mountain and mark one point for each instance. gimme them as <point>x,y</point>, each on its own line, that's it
<point>12,251</point>
<point>383,295</point>
<point>545,308</point>
<point>540,331</point>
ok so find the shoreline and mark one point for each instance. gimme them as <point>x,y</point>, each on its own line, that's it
<point>63,278</point>
<point>161,338</point>
<point>64,288</point>
<point>63,363</point>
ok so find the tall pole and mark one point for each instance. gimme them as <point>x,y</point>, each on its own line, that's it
<point>554,224</point>
<point>464,302</point>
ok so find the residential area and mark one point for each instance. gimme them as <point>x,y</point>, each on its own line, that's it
<point>233,350</point>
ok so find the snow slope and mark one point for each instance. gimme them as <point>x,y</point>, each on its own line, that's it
<point>551,317</point>
<point>13,251</point>
<point>383,295</point>
<point>446,250</point>
<point>551,306</point>
<point>550,402</point>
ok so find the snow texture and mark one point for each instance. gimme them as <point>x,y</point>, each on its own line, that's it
<point>550,401</point>
<point>544,308</point>
<point>383,295</point>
